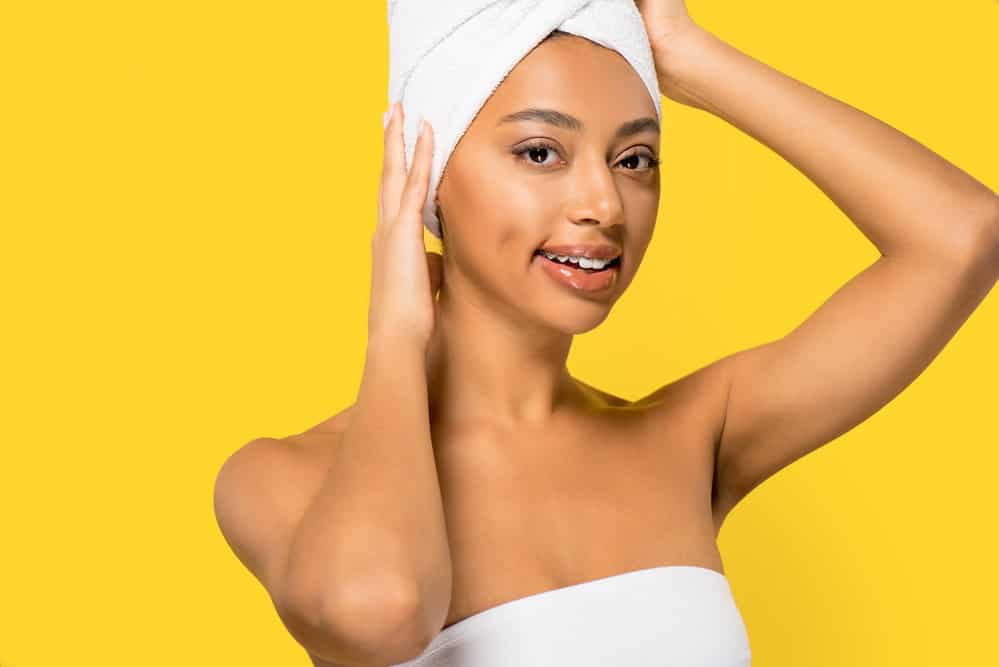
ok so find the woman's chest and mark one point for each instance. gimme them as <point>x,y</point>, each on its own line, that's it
<point>534,510</point>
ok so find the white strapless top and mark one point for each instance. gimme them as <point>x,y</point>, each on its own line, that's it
<point>668,616</point>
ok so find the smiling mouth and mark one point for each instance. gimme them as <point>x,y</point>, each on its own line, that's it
<point>613,264</point>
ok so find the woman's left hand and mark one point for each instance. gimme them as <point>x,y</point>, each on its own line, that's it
<point>664,19</point>
<point>667,24</point>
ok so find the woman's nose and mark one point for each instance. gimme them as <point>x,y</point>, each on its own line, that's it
<point>595,196</point>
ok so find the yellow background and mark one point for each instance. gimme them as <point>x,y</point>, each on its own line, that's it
<point>187,192</point>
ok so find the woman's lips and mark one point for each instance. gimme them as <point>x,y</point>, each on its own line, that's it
<point>577,279</point>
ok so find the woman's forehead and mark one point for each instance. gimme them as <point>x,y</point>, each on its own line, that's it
<point>573,75</point>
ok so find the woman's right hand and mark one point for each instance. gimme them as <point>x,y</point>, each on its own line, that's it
<point>404,276</point>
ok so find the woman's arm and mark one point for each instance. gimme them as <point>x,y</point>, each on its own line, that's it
<point>901,195</point>
<point>937,229</point>
<point>369,559</point>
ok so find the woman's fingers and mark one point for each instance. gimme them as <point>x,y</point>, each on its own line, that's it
<point>403,277</point>
<point>401,193</point>
<point>418,180</point>
<point>393,166</point>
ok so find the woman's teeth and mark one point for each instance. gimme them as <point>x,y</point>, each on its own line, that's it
<point>581,262</point>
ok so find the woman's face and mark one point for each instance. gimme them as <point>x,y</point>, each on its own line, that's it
<point>520,180</point>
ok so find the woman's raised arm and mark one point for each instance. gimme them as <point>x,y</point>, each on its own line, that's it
<point>937,229</point>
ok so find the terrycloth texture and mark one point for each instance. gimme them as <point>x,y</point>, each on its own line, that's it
<point>668,616</point>
<point>446,57</point>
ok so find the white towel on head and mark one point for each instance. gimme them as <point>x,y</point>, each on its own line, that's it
<point>446,57</point>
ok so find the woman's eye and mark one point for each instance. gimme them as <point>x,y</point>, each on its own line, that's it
<point>539,152</point>
<point>635,159</point>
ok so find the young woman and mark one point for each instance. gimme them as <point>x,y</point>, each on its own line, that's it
<point>476,492</point>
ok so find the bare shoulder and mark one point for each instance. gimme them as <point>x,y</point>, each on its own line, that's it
<point>331,425</point>
<point>247,501</point>
<point>607,399</point>
<point>264,488</point>
<point>691,409</point>
<point>703,390</point>
<point>699,395</point>
<point>262,491</point>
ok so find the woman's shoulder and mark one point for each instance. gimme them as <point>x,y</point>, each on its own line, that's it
<point>606,398</point>
<point>330,426</point>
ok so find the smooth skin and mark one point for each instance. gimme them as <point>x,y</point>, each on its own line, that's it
<point>546,481</point>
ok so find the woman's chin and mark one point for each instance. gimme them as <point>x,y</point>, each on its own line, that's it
<point>575,318</point>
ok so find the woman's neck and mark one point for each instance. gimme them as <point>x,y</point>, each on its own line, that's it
<point>482,366</point>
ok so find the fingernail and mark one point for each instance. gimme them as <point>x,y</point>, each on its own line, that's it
<point>385,117</point>
<point>423,127</point>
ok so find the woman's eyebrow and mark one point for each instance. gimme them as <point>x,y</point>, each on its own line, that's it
<point>569,122</point>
